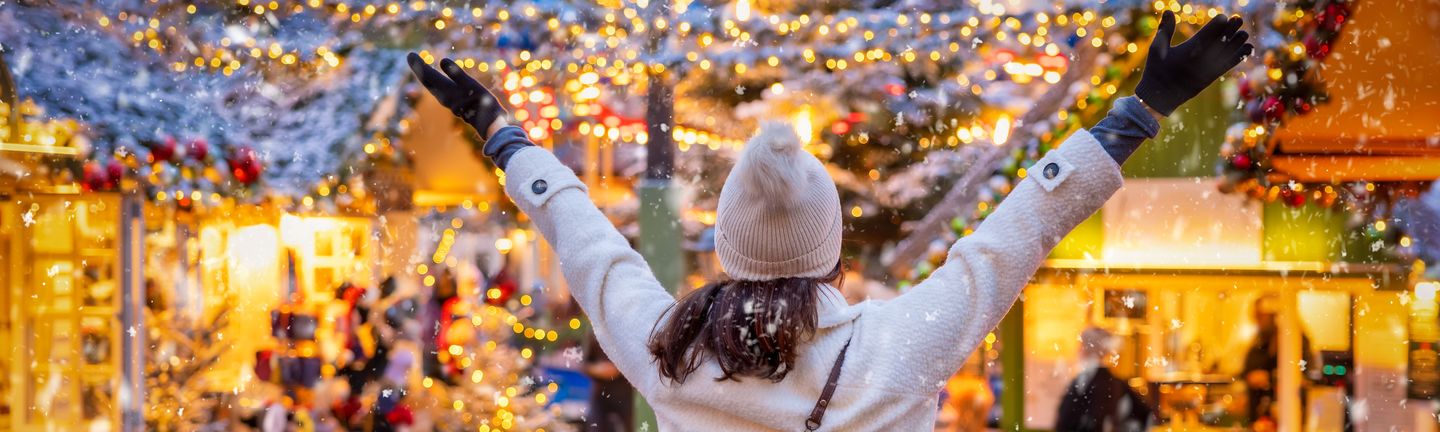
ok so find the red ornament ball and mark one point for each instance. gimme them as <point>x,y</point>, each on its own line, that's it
<point>92,176</point>
<point>1242,161</point>
<point>163,150</point>
<point>1247,89</point>
<point>198,149</point>
<point>1272,108</point>
<point>114,171</point>
<point>1296,200</point>
<point>245,165</point>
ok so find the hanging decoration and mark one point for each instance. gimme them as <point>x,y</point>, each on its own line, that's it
<point>1282,86</point>
<point>1285,85</point>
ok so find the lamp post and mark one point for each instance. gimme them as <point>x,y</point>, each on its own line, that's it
<point>10,96</point>
<point>660,235</point>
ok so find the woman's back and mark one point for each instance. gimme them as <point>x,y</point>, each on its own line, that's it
<point>703,403</point>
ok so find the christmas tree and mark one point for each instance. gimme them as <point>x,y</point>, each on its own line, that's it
<point>178,359</point>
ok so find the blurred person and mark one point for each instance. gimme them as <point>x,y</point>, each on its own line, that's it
<point>965,404</point>
<point>612,399</point>
<point>767,349</point>
<point>1097,400</point>
<point>1262,360</point>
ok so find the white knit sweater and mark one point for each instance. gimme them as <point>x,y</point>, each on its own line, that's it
<point>902,350</point>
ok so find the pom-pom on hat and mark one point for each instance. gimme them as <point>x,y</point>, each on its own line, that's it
<point>779,214</point>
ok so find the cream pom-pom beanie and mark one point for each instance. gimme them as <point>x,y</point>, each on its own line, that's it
<point>779,214</point>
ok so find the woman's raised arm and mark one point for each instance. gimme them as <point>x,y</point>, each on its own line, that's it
<point>940,321</point>
<point>610,280</point>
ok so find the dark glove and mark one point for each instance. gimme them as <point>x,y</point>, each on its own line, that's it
<point>460,93</point>
<point>1175,74</point>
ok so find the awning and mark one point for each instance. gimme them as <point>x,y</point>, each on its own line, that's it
<point>1383,116</point>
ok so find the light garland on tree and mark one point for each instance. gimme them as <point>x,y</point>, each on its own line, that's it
<point>1282,87</point>
<point>1089,104</point>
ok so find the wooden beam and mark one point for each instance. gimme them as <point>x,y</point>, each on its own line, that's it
<point>39,149</point>
<point>1312,168</point>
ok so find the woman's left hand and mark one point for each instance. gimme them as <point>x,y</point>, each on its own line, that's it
<point>464,96</point>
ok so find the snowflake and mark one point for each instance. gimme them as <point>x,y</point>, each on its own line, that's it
<point>28,217</point>
<point>740,90</point>
<point>572,355</point>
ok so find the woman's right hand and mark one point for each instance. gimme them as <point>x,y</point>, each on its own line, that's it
<point>464,96</point>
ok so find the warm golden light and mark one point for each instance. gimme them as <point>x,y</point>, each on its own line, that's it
<point>1002,130</point>
<point>803,126</point>
<point>1426,290</point>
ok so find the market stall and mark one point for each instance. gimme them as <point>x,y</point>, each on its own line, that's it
<point>69,298</point>
<point>1191,300</point>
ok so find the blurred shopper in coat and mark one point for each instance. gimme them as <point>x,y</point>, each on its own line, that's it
<point>1097,400</point>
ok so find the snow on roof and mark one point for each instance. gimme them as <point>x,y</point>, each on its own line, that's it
<point>303,127</point>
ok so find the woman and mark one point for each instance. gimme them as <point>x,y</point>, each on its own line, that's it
<point>776,347</point>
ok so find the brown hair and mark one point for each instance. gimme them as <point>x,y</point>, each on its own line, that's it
<point>750,328</point>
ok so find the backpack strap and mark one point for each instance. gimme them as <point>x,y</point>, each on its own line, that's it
<point>817,414</point>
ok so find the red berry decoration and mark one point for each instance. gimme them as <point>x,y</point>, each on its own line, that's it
<point>1333,17</point>
<point>198,149</point>
<point>92,176</point>
<point>1247,91</point>
<point>114,171</point>
<point>1296,199</point>
<point>1302,107</point>
<point>1315,48</point>
<point>1242,161</point>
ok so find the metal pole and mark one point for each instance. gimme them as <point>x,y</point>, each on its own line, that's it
<point>132,318</point>
<point>1012,363</point>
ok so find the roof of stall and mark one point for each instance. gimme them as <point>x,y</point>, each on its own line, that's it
<point>1384,108</point>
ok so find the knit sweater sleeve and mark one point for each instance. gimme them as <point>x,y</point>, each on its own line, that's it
<point>928,331</point>
<point>610,280</point>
